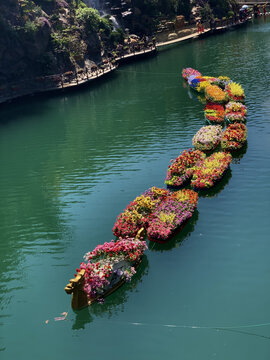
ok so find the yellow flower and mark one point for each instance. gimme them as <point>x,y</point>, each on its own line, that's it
<point>144,203</point>
<point>236,89</point>
<point>214,93</point>
<point>166,218</point>
<point>224,78</point>
<point>202,85</point>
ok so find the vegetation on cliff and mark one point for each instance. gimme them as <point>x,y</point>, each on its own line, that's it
<point>41,37</point>
<point>50,36</point>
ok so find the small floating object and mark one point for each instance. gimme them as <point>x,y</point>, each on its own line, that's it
<point>187,72</point>
<point>211,170</point>
<point>235,92</point>
<point>215,94</point>
<point>105,269</point>
<point>181,169</point>
<point>214,113</point>
<point>207,138</point>
<point>171,215</point>
<point>235,112</point>
<point>234,137</point>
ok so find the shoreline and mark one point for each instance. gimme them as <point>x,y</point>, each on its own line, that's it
<point>100,73</point>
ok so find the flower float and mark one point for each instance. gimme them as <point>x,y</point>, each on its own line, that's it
<point>207,138</point>
<point>222,81</point>
<point>138,213</point>
<point>198,83</point>
<point>235,112</point>
<point>171,215</point>
<point>210,170</point>
<point>234,137</point>
<point>235,92</point>
<point>108,266</point>
<point>215,94</point>
<point>187,72</point>
<point>214,113</point>
<point>181,169</point>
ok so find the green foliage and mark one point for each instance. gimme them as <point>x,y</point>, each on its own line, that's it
<point>117,36</point>
<point>89,18</point>
<point>29,7</point>
<point>220,7</point>
<point>30,27</point>
<point>184,8</point>
<point>69,41</point>
<point>106,24</point>
<point>206,12</point>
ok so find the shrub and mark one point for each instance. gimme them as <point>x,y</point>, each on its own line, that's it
<point>89,18</point>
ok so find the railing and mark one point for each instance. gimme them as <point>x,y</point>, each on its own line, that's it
<point>52,82</point>
<point>70,78</point>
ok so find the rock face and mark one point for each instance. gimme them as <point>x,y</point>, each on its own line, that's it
<point>34,42</point>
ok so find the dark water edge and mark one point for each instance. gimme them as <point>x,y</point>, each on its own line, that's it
<point>69,166</point>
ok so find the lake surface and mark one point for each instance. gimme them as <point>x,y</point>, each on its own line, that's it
<point>71,163</point>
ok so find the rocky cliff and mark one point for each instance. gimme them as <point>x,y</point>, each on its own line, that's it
<point>48,37</point>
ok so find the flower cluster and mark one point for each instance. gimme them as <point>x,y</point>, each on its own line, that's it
<point>181,169</point>
<point>210,170</point>
<point>102,264</point>
<point>187,72</point>
<point>224,78</point>
<point>235,112</point>
<point>138,213</point>
<point>202,86</point>
<point>208,137</point>
<point>186,195</point>
<point>234,136</point>
<point>198,83</point>
<point>211,79</point>
<point>172,214</point>
<point>222,81</point>
<point>215,94</point>
<point>235,92</point>
<point>214,113</point>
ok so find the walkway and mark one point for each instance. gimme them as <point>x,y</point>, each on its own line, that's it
<point>197,35</point>
<point>136,54</point>
<point>46,84</point>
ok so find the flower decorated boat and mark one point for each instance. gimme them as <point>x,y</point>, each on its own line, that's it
<point>235,112</point>
<point>198,83</point>
<point>234,137</point>
<point>138,213</point>
<point>171,215</point>
<point>222,81</point>
<point>181,169</point>
<point>207,138</point>
<point>105,269</point>
<point>215,94</point>
<point>235,92</point>
<point>214,113</point>
<point>211,170</point>
<point>187,72</point>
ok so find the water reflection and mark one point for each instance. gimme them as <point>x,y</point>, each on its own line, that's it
<point>114,303</point>
<point>238,155</point>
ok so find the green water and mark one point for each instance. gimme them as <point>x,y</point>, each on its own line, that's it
<point>71,163</point>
